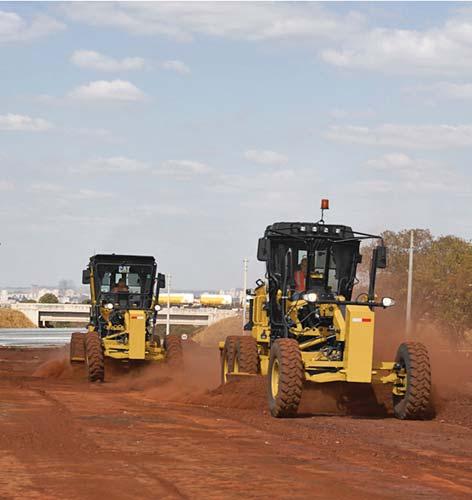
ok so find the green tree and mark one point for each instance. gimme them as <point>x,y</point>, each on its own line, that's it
<point>447,271</point>
<point>48,298</point>
<point>442,279</point>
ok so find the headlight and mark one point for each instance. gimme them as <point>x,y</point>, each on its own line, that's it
<point>388,302</point>
<point>157,307</point>
<point>310,297</point>
<point>109,306</point>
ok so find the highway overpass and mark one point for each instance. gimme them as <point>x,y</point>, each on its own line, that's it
<point>42,314</point>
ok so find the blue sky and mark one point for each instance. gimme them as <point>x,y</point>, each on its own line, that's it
<point>182,130</point>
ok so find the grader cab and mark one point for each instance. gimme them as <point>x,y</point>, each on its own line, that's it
<point>124,292</point>
<point>307,326</point>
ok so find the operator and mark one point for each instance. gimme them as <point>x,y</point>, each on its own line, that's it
<point>120,286</point>
<point>300,275</point>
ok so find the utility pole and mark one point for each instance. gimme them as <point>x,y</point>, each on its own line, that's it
<point>245,262</point>
<point>168,305</point>
<point>410,287</point>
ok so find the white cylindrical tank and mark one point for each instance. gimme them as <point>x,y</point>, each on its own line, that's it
<point>215,300</point>
<point>176,299</point>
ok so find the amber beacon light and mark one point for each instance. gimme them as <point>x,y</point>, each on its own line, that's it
<point>324,206</point>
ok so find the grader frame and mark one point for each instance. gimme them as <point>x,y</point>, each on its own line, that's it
<point>124,292</point>
<point>319,334</point>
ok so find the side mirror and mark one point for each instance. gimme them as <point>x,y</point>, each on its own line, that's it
<point>380,257</point>
<point>263,249</point>
<point>86,277</point>
<point>161,280</point>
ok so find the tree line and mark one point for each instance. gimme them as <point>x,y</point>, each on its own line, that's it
<point>442,279</point>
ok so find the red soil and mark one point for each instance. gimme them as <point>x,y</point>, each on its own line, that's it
<point>153,433</point>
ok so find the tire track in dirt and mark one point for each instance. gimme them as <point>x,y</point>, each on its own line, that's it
<point>163,436</point>
<point>381,445</point>
<point>46,444</point>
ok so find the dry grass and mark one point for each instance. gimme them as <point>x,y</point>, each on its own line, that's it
<point>211,335</point>
<point>10,318</point>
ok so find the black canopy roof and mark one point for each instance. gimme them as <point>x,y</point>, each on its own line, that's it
<point>309,230</point>
<point>122,259</point>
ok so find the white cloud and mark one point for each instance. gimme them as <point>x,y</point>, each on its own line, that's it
<point>23,123</point>
<point>182,169</point>
<point>264,189</point>
<point>90,221</point>
<point>265,157</point>
<point>177,67</point>
<point>445,49</point>
<point>343,40</point>
<point>111,165</point>
<point>14,28</point>
<point>402,173</point>
<point>103,90</point>
<point>91,194</point>
<point>391,160</point>
<point>47,187</point>
<point>402,166</point>
<point>6,185</point>
<point>448,90</point>
<point>64,193</point>
<point>94,60</point>
<point>404,136</point>
<point>246,21</point>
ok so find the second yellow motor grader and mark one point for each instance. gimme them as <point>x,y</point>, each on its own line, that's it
<point>124,292</point>
<point>306,326</point>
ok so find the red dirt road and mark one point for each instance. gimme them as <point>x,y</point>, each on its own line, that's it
<point>153,435</point>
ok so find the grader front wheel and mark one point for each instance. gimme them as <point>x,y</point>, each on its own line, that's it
<point>77,347</point>
<point>228,355</point>
<point>94,357</point>
<point>286,374</point>
<point>247,357</point>
<point>412,390</point>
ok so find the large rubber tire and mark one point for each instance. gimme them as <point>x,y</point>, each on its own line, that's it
<point>247,355</point>
<point>77,347</point>
<point>94,357</point>
<point>286,375</point>
<point>413,359</point>
<point>228,356</point>
<point>174,351</point>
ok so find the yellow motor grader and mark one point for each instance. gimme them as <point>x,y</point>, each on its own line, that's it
<point>306,326</point>
<point>124,292</point>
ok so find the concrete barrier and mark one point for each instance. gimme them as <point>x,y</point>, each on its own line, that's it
<point>40,314</point>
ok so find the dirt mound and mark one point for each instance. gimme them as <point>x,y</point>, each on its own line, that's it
<point>250,393</point>
<point>9,318</point>
<point>211,335</point>
<point>243,393</point>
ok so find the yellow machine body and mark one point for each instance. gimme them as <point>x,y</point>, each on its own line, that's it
<point>135,347</point>
<point>354,326</point>
<point>135,324</point>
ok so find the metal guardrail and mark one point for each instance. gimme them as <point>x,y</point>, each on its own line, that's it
<point>42,314</point>
<point>35,337</point>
